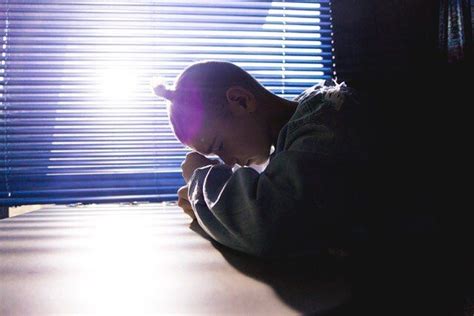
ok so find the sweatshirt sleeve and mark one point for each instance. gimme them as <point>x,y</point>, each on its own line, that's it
<point>293,207</point>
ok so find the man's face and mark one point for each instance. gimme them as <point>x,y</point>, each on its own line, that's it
<point>236,140</point>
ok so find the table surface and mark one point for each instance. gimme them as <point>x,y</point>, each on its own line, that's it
<point>145,259</point>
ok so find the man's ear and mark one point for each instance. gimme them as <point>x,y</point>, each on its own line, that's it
<point>241,101</point>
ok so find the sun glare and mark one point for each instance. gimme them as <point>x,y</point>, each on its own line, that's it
<point>117,85</point>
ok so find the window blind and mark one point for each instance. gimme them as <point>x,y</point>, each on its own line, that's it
<point>79,121</point>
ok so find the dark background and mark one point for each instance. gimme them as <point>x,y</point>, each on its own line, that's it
<point>417,106</point>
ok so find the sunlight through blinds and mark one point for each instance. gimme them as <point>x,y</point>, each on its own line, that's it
<point>79,121</point>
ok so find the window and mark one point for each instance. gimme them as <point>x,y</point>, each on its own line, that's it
<point>79,121</point>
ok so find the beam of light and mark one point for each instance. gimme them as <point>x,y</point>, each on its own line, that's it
<point>144,283</point>
<point>117,86</point>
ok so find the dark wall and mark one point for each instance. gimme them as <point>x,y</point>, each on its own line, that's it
<point>389,51</point>
<point>384,40</point>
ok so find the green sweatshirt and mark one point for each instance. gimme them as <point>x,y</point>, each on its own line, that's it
<point>309,197</point>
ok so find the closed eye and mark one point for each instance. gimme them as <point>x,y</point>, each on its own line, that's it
<point>219,149</point>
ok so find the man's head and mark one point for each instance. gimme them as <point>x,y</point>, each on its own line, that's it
<point>216,108</point>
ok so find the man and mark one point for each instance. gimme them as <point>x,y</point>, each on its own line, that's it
<point>311,196</point>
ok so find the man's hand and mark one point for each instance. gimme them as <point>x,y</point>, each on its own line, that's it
<point>183,201</point>
<point>193,161</point>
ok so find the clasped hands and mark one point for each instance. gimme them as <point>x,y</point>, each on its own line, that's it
<point>192,162</point>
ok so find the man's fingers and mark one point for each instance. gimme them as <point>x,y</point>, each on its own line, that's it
<point>183,192</point>
<point>193,161</point>
<point>186,206</point>
<point>183,201</point>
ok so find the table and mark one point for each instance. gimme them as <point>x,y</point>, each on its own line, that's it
<point>113,259</point>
